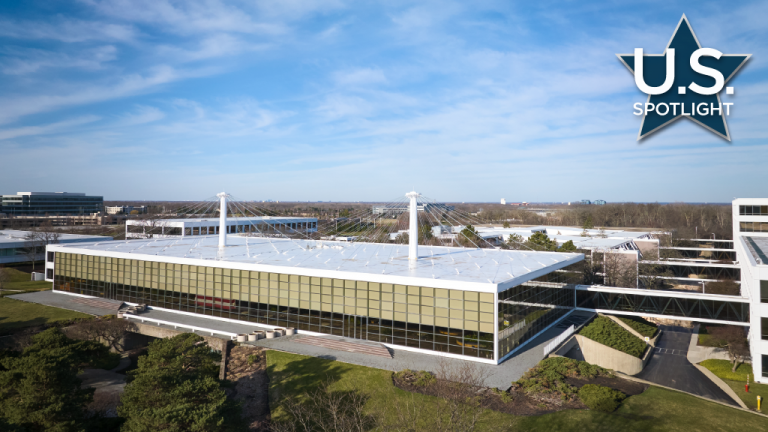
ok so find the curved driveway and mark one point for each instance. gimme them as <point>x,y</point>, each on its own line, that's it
<point>669,366</point>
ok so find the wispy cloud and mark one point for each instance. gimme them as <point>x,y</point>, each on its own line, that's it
<point>46,129</point>
<point>19,61</point>
<point>67,30</point>
<point>139,116</point>
<point>12,108</point>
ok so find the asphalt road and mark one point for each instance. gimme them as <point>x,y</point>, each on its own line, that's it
<point>669,366</point>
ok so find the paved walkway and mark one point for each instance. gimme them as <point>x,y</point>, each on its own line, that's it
<point>697,354</point>
<point>64,301</point>
<point>669,366</point>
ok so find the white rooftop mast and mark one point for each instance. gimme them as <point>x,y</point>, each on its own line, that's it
<point>413,232</point>
<point>223,220</point>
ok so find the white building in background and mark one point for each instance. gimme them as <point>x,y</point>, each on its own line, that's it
<point>750,239</point>
<point>124,209</point>
<point>161,228</point>
<point>14,245</point>
<point>503,201</point>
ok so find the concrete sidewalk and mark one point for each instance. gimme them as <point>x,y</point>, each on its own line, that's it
<point>697,354</point>
<point>61,301</point>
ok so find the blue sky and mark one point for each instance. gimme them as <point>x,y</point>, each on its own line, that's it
<point>336,100</point>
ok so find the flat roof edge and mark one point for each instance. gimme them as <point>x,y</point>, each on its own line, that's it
<point>300,271</point>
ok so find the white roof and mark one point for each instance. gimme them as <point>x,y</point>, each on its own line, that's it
<point>576,231</point>
<point>15,238</point>
<point>440,267</point>
<point>612,239</point>
<point>181,222</point>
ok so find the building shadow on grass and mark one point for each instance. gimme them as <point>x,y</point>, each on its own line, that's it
<point>303,375</point>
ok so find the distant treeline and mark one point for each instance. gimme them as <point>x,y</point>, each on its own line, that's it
<point>684,220</point>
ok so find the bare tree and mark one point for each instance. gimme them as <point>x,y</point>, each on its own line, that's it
<point>620,270</point>
<point>108,331</point>
<point>734,340</point>
<point>457,406</point>
<point>149,225</point>
<point>327,410</point>
<point>37,239</point>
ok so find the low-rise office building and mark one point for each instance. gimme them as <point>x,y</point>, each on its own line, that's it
<point>50,203</point>
<point>477,304</point>
<point>474,303</point>
<point>268,225</point>
<point>17,246</point>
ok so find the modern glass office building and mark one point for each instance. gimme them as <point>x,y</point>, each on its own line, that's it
<point>50,203</point>
<point>474,303</point>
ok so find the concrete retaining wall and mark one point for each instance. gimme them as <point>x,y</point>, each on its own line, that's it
<point>609,358</point>
<point>564,348</point>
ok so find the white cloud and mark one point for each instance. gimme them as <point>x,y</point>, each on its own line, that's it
<point>359,77</point>
<point>12,108</point>
<point>219,45</point>
<point>234,119</point>
<point>26,61</point>
<point>141,115</point>
<point>51,128</point>
<point>187,17</point>
<point>67,30</point>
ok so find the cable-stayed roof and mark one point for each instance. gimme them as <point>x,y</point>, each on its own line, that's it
<point>438,266</point>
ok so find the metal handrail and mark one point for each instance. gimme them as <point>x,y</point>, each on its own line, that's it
<point>558,340</point>
<point>176,325</point>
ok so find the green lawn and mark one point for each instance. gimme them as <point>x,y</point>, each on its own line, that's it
<point>15,314</point>
<point>736,380</point>
<point>20,282</point>
<point>656,409</point>
<point>722,368</point>
<point>750,398</point>
<point>705,339</point>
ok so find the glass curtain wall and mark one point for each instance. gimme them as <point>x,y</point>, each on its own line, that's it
<point>527,309</point>
<point>452,321</point>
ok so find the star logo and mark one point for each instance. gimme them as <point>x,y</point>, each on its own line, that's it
<point>684,81</point>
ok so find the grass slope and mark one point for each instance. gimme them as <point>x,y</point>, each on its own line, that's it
<point>15,314</point>
<point>20,282</point>
<point>722,368</point>
<point>736,380</point>
<point>605,331</point>
<point>656,409</point>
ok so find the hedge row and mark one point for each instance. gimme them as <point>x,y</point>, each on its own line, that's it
<point>605,331</point>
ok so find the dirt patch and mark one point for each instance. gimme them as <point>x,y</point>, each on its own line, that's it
<point>519,403</point>
<point>247,371</point>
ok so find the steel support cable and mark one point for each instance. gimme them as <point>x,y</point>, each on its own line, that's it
<point>351,222</point>
<point>367,230</point>
<point>161,224</point>
<point>485,254</point>
<point>243,207</point>
<point>478,222</point>
<point>354,250</point>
